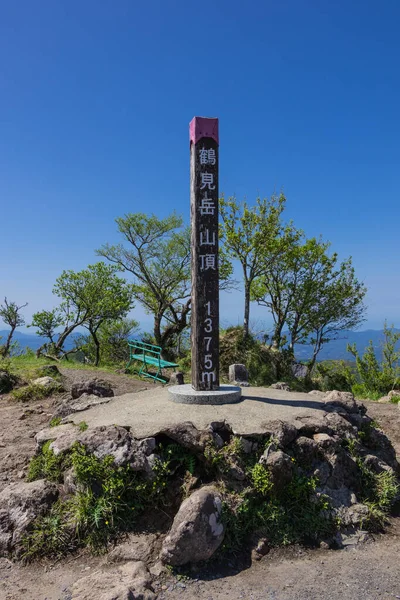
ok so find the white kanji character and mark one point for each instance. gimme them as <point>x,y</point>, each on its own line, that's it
<point>207,261</point>
<point>207,206</point>
<point>207,180</point>
<point>207,157</point>
<point>205,238</point>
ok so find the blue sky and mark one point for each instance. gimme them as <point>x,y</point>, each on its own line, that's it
<point>95,101</point>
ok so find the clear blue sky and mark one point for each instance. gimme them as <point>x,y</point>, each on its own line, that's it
<point>95,101</point>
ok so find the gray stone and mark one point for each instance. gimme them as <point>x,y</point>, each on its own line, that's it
<point>20,504</point>
<point>305,450</point>
<point>139,547</point>
<point>176,378</point>
<point>97,387</point>
<point>376,464</point>
<point>106,441</point>
<point>344,400</point>
<point>280,385</point>
<point>130,581</point>
<point>344,470</point>
<point>196,532</point>
<point>280,466</point>
<point>394,394</point>
<point>46,382</point>
<point>52,433</point>
<point>354,515</point>
<point>281,431</point>
<point>188,436</point>
<point>84,402</point>
<point>185,394</point>
<point>238,374</point>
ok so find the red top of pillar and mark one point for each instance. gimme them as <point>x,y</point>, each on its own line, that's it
<point>201,127</point>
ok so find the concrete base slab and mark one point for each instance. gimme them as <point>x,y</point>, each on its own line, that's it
<point>185,394</point>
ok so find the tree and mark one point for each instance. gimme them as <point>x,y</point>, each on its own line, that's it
<point>10,314</point>
<point>309,293</point>
<point>158,256</point>
<point>113,337</point>
<point>251,235</point>
<point>88,298</point>
<point>337,308</point>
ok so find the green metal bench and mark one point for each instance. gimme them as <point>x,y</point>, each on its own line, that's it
<point>148,355</point>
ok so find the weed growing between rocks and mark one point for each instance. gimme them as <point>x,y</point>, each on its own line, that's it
<point>35,392</point>
<point>288,485</point>
<point>107,502</point>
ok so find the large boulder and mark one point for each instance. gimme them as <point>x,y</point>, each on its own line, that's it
<point>197,531</point>
<point>102,441</point>
<point>97,387</point>
<point>20,504</point>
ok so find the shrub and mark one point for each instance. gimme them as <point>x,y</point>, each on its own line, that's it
<point>334,375</point>
<point>375,379</point>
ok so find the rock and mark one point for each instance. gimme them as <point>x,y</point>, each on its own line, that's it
<point>139,547</point>
<point>85,401</point>
<point>317,393</point>
<point>97,387</point>
<point>376,464</point>
<point>299,370</point>
<point>188,436</point>
<point>20,504</point>
<point>344,470</point>
<point>354,515</point>
<point>131,581</point>
<point>322,471</point>
<point>338,498</point>
<point>70,483</point>
<point>358,537</point>
<point>343,400</point>
<point>305,449</point>
<point>337,424</point>
<point>7,382</point>
<point>307,425</point>
<point>196,532</point>
<point>281,431</point>
<point>384,400</point>
<point>238,374</point>
<point>46,382</point>
<point>394,394</point>
<point>52,433</point>
<point>325,442</point>
<point>280,467</point>
<point>177,378</point>
<point>380,445</point>
<point>280,385</point>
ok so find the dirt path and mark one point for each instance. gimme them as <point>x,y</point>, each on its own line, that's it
<point>367,572</point>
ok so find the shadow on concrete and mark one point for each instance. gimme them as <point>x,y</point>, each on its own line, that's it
<point>281,402</point>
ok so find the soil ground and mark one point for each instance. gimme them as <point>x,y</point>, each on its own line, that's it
<point>368,571</point>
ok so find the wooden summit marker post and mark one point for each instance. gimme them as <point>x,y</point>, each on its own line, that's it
<point>204,143</point>
<point>205,388</point>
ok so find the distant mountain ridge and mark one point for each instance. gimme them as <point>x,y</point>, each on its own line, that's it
<point>29,340</point>
<point>334,350</point>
